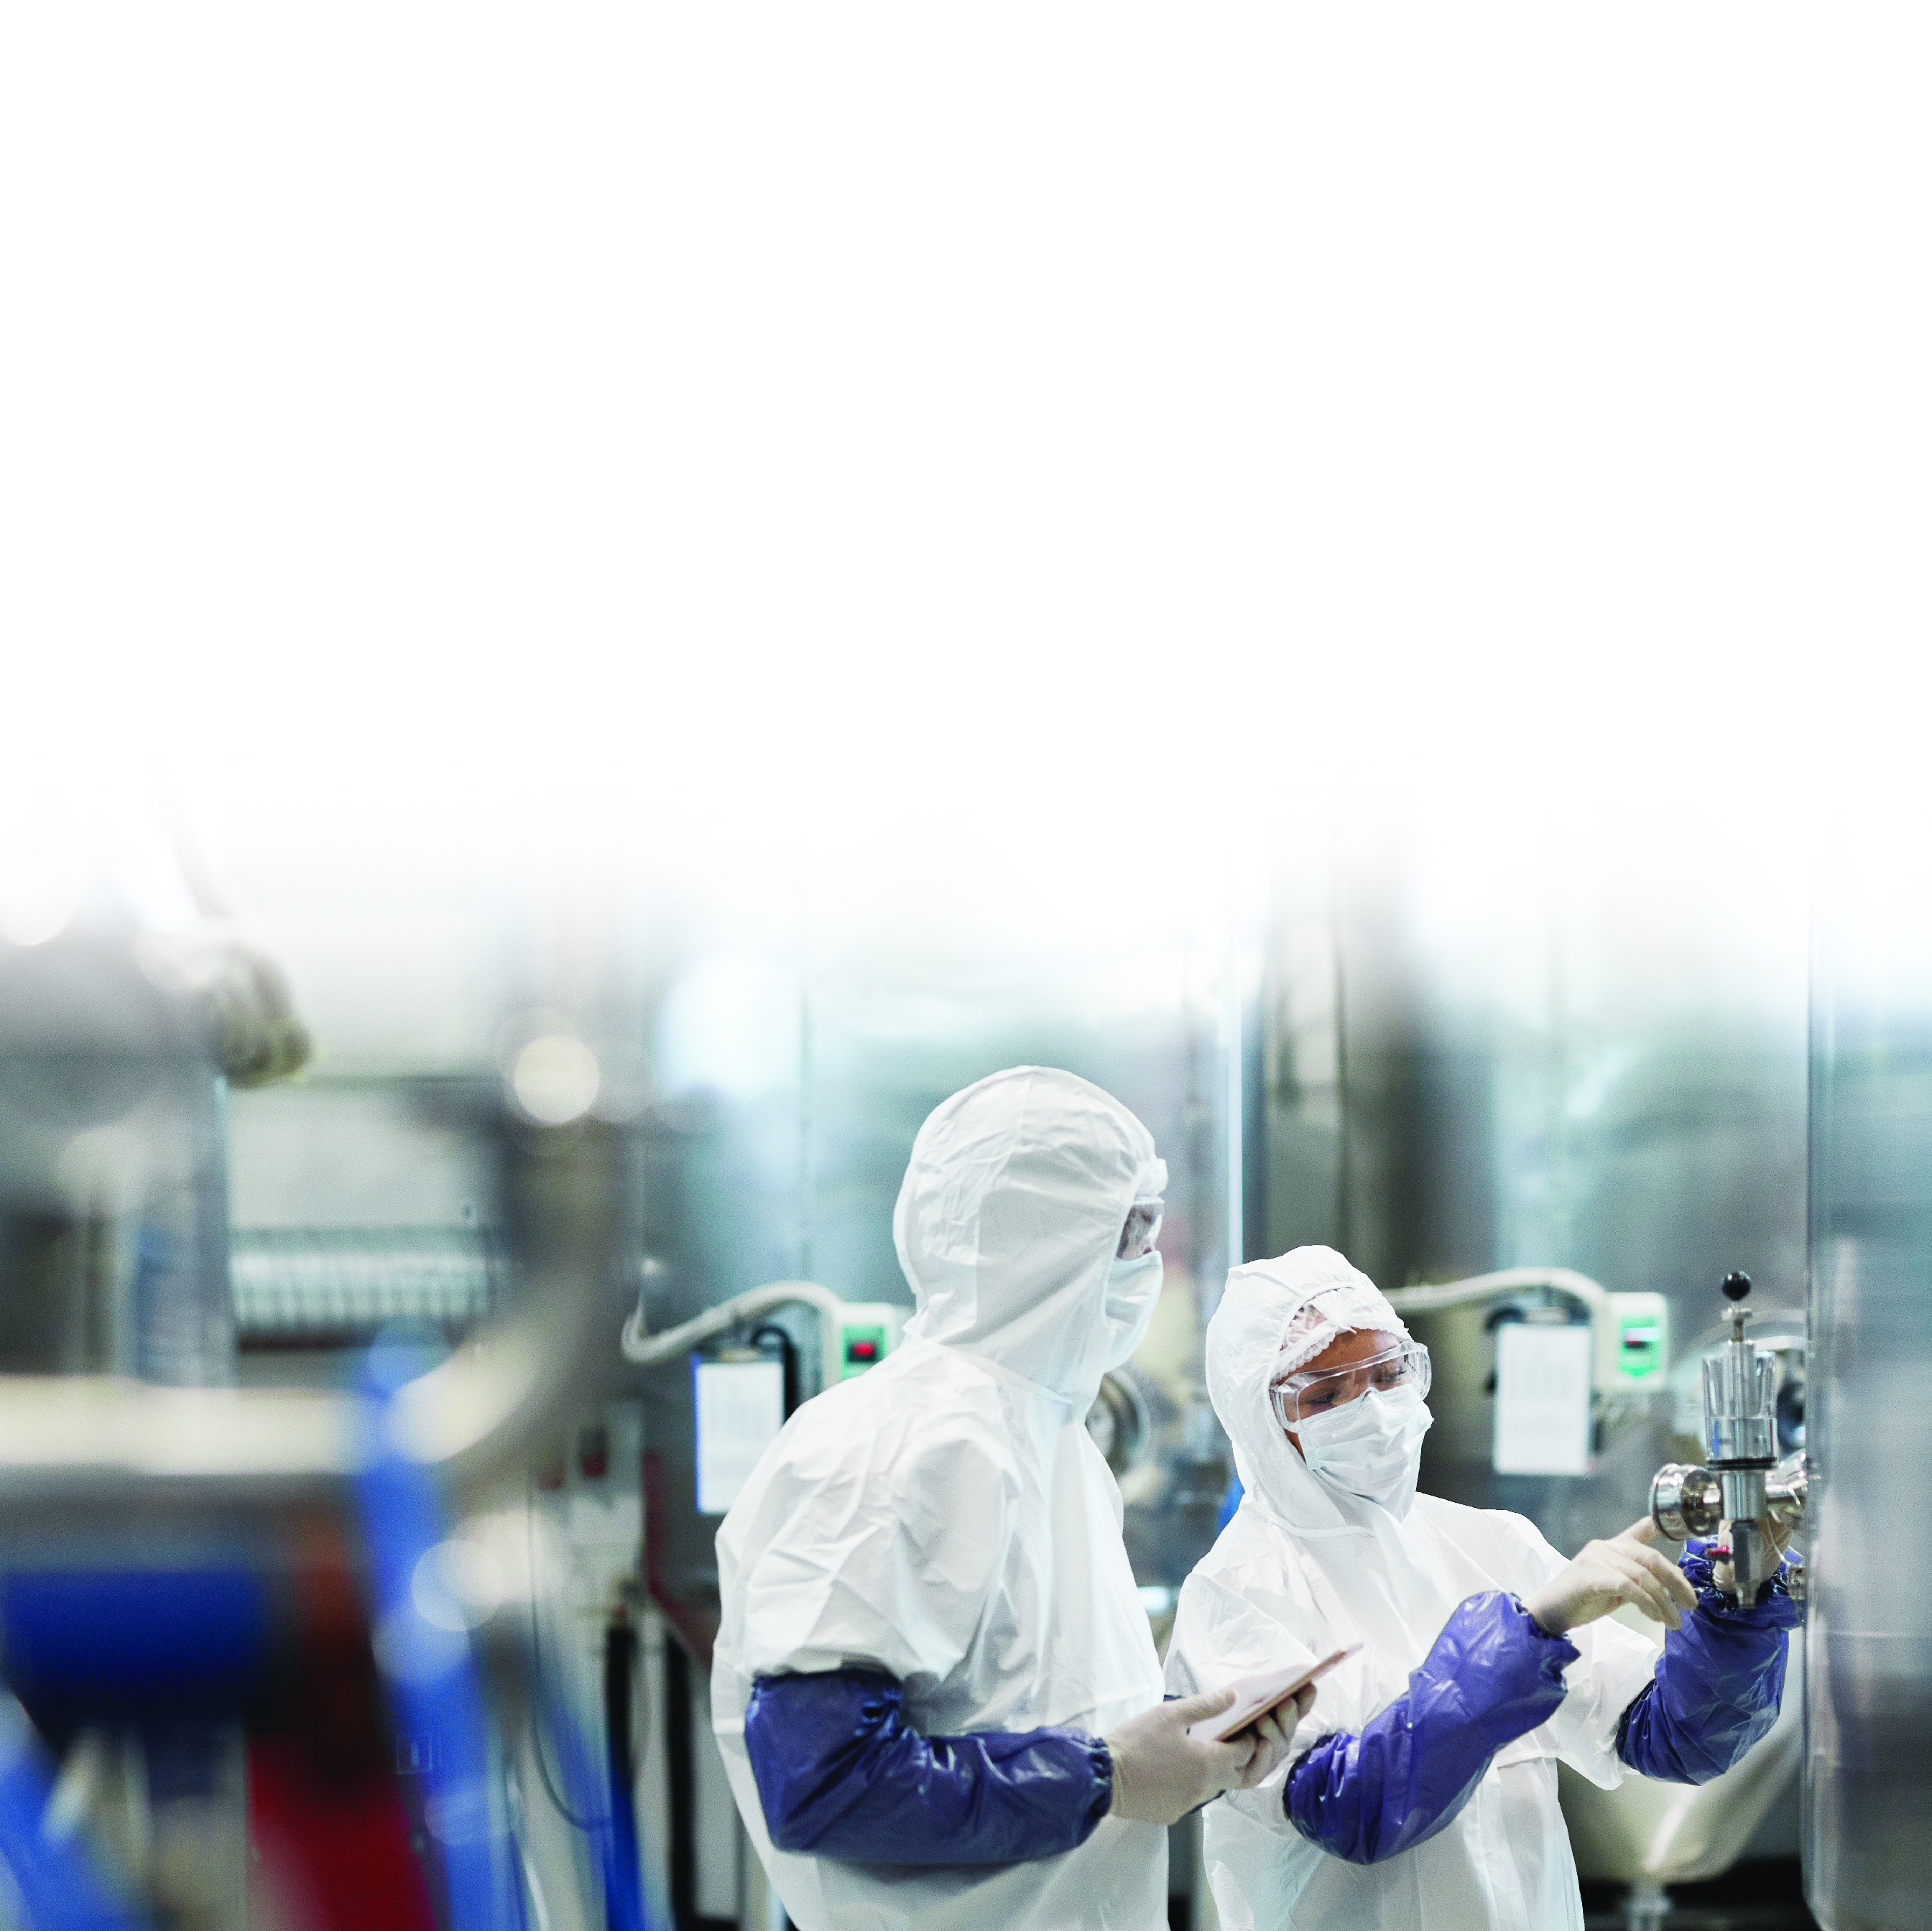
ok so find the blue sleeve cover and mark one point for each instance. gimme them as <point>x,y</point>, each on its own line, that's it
<point>1492,1675</point>
<point>841,1774</point>
<point>1718,1682</point>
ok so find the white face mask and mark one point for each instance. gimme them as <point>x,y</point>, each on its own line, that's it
<point>1371,1447</point>
<point>1133,1287</point>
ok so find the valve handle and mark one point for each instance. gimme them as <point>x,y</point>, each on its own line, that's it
<point>1736,1286</point>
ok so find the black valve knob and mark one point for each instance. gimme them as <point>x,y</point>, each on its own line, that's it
<point>1736,1286</point>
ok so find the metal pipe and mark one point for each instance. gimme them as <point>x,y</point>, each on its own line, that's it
<point>79,1448</point>
<point>1486,1287</point>
<point>650,1351</point>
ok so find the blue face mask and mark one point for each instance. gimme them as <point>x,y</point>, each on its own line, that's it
<point>1371,1447</point>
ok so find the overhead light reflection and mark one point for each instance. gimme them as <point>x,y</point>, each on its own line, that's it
<point>556,1079</point>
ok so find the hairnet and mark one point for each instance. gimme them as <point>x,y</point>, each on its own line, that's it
<point>1336,1299</point>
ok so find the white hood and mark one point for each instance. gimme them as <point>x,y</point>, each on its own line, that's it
<point>1244,1342</point>
<point>946,1516</point>
<point>1008,1220</point>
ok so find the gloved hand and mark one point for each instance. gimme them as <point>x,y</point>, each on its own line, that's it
<point>1160,1773</point>
<point>1721,1573</point>
<point>1605,1576</point>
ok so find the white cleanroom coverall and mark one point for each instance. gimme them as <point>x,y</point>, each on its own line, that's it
<point>946,1517</point>
<point>1303,1569</point>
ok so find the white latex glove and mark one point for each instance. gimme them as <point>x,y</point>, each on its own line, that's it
<point>1160,1773</point>
<point>1277,1729</point>
<point>1607,1575</point>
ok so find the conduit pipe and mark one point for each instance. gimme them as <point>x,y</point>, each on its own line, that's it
<point>76,1450</point>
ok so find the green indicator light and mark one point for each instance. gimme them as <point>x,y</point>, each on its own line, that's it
<point>1639,1349</point>
<point>865,1348</point>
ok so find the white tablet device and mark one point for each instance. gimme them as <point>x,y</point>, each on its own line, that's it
<point>1255,1696</point>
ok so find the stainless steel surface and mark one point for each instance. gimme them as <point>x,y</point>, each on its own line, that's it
<point>1741,1429</point>
<point>1868,1708</point>
<point>1470,1068</point>
<point>1740,1389</point>
<point>1686,1500</point>
<point>1786,1489</point>
<point>1754,1558</point>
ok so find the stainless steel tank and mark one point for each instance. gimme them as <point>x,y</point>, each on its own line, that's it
<point>1868,1775</point>
<point>1637,1114</point>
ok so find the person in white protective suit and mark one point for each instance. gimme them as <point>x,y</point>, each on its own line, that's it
<point>1420,1793</point>
<point>934,1688</point>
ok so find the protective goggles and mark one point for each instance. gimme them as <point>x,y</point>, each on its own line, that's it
<point>1299,1397</point>
<point>1142,1229</point>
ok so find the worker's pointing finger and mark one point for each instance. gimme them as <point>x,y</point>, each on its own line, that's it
<point>1646,1592</point>
<point>1668,1573</point>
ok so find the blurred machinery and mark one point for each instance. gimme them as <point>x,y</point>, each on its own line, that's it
<point>345,1566</point>
<point>258,1634</point>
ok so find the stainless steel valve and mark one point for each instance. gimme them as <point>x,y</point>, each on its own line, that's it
<point>1745,1489</point>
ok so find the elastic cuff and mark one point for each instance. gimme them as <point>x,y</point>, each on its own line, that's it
<point>1775,1607</point>
<point>1542,1635</point>
<point>1100,1759</point>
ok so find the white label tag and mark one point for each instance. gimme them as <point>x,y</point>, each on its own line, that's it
<point>1543,1400</point>
<point>740,1407</point>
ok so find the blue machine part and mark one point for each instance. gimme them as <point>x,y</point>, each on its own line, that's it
<point>841,1773</point>
<point>623,1864</point>
<point>590,1800</point>
<point>1718,1683</point>
<point>135,1643</point>
<point>434,1697</point>
<point>1492,1675</point>
<point>58,1887</point>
